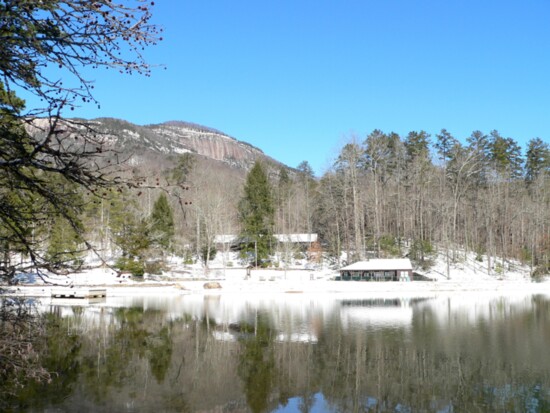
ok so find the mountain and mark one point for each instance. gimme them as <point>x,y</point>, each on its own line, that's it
<point>175,137</point>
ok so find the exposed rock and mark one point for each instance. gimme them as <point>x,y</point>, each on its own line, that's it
<point>181,137</point>
<point>154,144</point>
<point>212,285</point>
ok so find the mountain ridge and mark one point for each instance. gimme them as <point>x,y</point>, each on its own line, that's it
<point>178,137</point>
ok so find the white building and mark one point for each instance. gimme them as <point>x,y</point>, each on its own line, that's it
<point>391,269</point>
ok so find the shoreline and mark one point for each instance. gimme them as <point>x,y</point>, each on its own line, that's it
<point>288,287</point>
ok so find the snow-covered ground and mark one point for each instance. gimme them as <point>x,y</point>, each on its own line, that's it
<point>466,274</point>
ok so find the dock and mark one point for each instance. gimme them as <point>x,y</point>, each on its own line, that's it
<point>79,293</point>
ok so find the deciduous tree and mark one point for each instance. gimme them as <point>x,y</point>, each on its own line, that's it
<point>41,43</point>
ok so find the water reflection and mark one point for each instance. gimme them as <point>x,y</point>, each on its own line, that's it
<point>217,354</point>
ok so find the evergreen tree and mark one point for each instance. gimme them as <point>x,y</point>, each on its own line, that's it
<point>133,240</point>
<point>479,144</point>
<point>256,212</point>
<point>183,168</point>
<point>380,154</point>
<point>417,145</point>
<point>538,159</point>
<point>129,232</point>
<point>283,186</point>
<point>307,185</point>
<point>444,145</point>
<point>162,223</point>
<point>65,244</point>
<point>305,170</point>
<point>282,195</point>
<point>506,156</point>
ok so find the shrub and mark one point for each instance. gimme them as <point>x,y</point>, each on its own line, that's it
<point>155,267</point>
<point>421,253</point>
<point>389,245</point>
<point>540,272</point>
<point>525,255</point>
<point>208,253</point>
<point>298,255</point>
<point>134,267</point>
<point>188,257</point>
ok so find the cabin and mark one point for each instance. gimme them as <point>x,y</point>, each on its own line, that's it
<point>378,270</point>
<point>229,241</point>
<point>304,239</point>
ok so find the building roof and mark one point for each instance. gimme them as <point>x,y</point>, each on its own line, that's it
<point>224,238</point>
<point>303,238</point>
<point>296,237</point>
<point>380,264</point>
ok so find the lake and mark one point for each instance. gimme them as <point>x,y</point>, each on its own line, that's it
<point>297,353</point>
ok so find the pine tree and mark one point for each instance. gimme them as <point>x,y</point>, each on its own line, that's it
<point>256,212</point>
<point>129,231</point>
<point>304,169</point>
<point>65,245</point>
<point>180,173</point>
<point>417,145</point>
<point>538,159</point>
<point>444,145</point>
<point>306,180</point>
<point>162,223</point>
<point>506,156</point>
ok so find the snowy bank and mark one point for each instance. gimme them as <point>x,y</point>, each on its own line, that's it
<point>466,274</point>
<point>269,282</point>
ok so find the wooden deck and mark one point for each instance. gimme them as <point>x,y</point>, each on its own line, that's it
<point>79,292</point>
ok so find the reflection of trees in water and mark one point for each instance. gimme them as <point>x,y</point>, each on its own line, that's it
<point>56,350</point>
<point>488,366</point>
<point>18,352</point>
<point>257,363</point>
<point>109,363</point>
<point>498,362</point>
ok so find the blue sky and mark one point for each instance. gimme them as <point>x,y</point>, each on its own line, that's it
<point>300,78</point>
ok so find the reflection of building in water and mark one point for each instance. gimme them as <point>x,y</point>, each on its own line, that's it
<point>476,307</point>
<point>378,311</point>
<point>294,319</point>
<point>223,334</point>
<point>310,337</point>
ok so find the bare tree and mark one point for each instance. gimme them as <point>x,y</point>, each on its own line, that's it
<point>38,163</point>
<point>349,165</point>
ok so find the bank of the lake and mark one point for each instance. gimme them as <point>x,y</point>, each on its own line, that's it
<point>285,286</point>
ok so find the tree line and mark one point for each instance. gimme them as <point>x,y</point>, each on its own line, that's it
<point>388,195</point>
<point>383,196</point>
<point>64,192</point>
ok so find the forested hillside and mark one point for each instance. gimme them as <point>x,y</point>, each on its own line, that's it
<point>482,195</point>
<point>385,195</point>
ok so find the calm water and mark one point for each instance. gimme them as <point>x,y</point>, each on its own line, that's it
<point>462,353</point>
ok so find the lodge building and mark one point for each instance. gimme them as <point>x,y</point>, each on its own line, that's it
<point>378,270</point>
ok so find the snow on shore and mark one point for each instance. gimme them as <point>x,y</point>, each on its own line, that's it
<point>268,282</point>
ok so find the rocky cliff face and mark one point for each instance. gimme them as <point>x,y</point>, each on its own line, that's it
<point>177,138</point>
<point>209,143</point>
